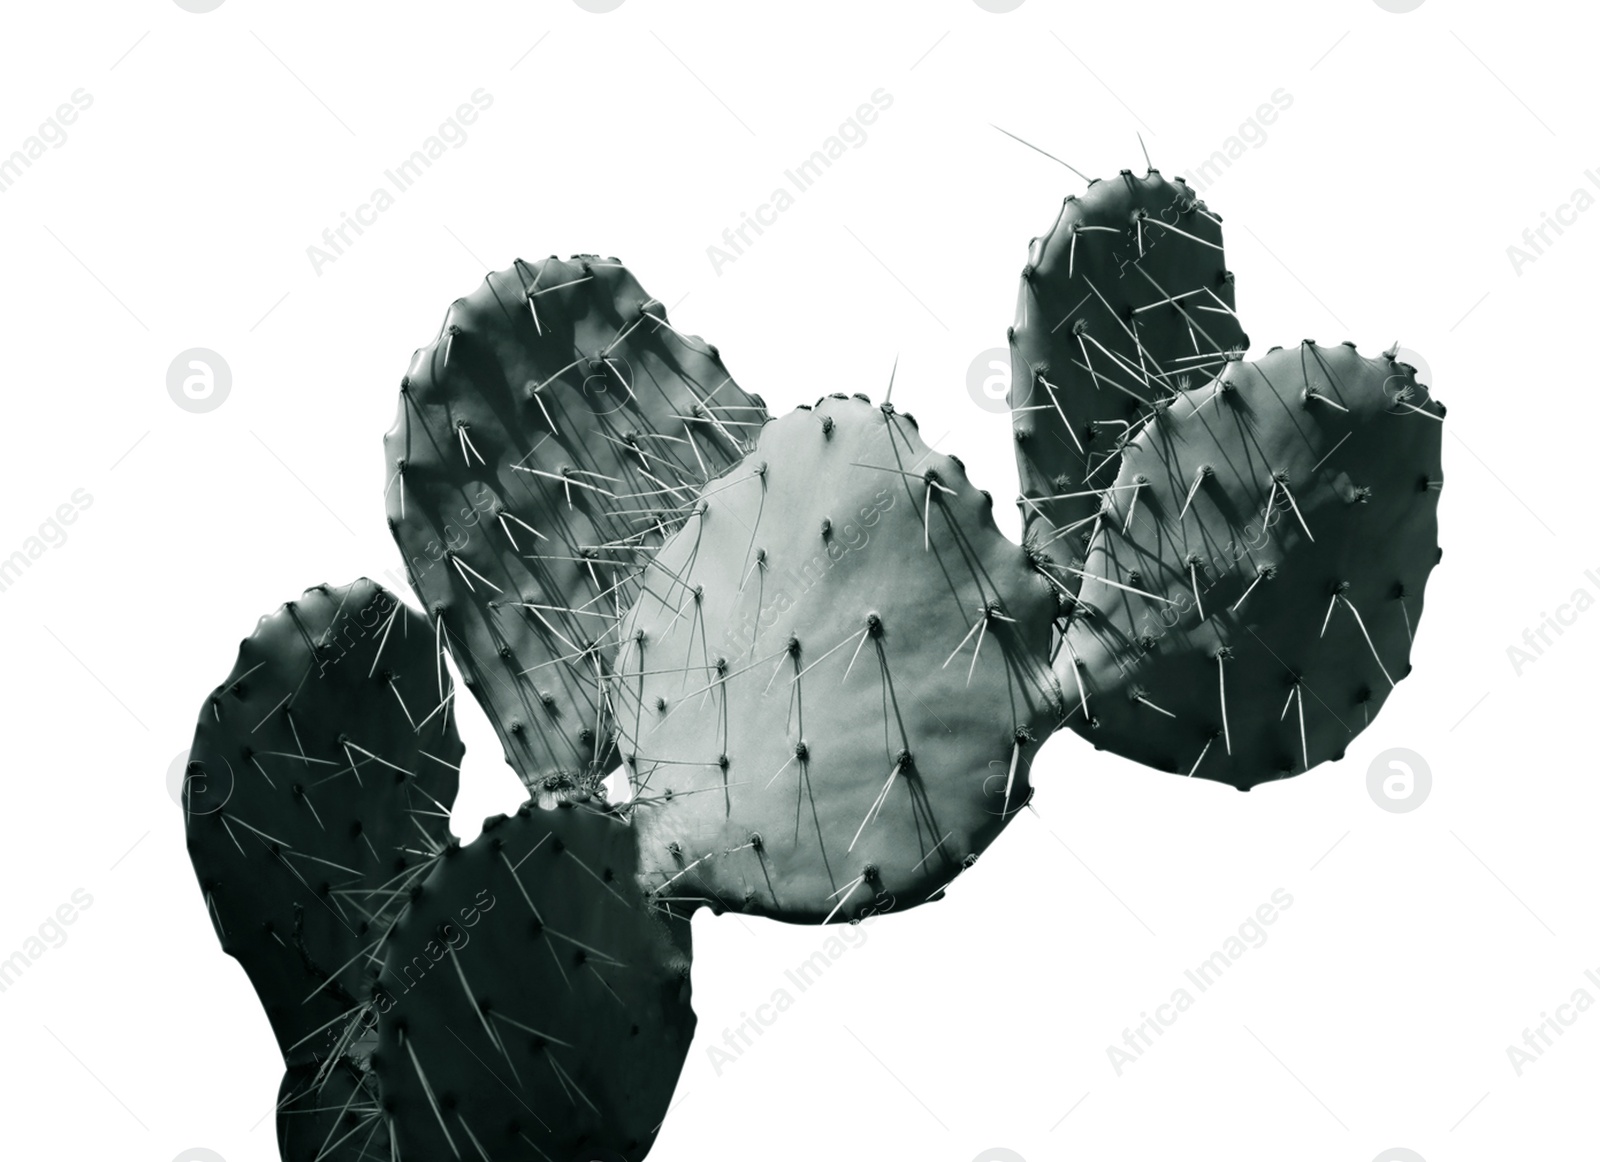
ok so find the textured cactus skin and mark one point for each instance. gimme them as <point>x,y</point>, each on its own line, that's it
<point>830,683</point>
<point>1090,353</point>
<point>567,369</point>
<point>311,795</point>
<point>818,530</point>
<point>535,1007</point>
<point>1364,475</point>
<point>332,1113</point>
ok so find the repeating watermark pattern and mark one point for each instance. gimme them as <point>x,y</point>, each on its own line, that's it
<point>1536,240</point>
<point>1538,638</point>
<point>51,134</point>
<point>453,539</point>
<point>199,380</point>
<point>1222,564</point>
<point>1424,373</point>
<point>851,134</point>
<point>1537,1041</point>
<point>740,1038</point>
<point>1251,933</point>
<point>597,385</point>
<point>449,939</point>
<point>451,134</point>
<point>838,540</point>
<point>51,534</point>
<point>197,790</point>
<point>178,775</point>
<point>50,934</point>
<point>1251,134</point>
<point>1399,780</point>
<point>989,380</point>
<point>336,644</point>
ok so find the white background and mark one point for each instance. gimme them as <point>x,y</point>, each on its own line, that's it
<point>218,147</point>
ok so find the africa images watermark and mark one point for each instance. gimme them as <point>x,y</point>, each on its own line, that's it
<point>851,134</point>
<point>1538,638</point>
<point>51,134</point>
<point>738,1039</point>
<point>1399,780</point>
<point>51,534</point>
<point>1252,933</point>
<point>740,638</point>
<point>451,134</point>
<point>1252,133</point>
<point>199,380</point>
<point>50,934</point>
<point>1536,239</point>
<point>453,539</point>
<point>448,939</point>
<point>1539,1039</point>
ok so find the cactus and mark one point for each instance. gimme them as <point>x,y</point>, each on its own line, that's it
<point>332,1113</point>
<point>1251,593</point>
<point>828,687</point>
<point>1124,302</point>
<point>544,444</point>
<point>534,1006</point>
<point>317,807</point>
<point>832,687</point>
<point>319,789</point>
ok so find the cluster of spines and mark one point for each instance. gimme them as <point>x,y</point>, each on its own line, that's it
<point>1179,571</point>
<point>612,482</point>
<point>678,496</point>
<point>1130,384</point>
<point>790,652</point>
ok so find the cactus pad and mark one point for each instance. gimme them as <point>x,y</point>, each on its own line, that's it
<point>332,1113</point>
<point>544,443</point>
<point>831,690</point>
<point>1250,595</point>
<point>1123,303</point>
<point>534,1006</point>
<point>825,670</point>
<point>319,786</point>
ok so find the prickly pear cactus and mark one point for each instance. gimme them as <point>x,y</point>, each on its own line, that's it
<point>319,791</point>
<point>332,1112</point>
<point>317,808</point>
<point>1123,303</point>
<point>545,444</point>
<point>1250,596</point>
<point>825,670</point>
<point>833,685</point>
<point>535,1006</point>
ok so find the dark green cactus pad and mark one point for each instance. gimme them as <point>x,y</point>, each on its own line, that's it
<point>534,1007</point>
<point>1124,302</point>
<point>831,691</point>
<point>320,784</point>
<point>1250,596</point>
<point>332,1113</point>
<point>544,445</point>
